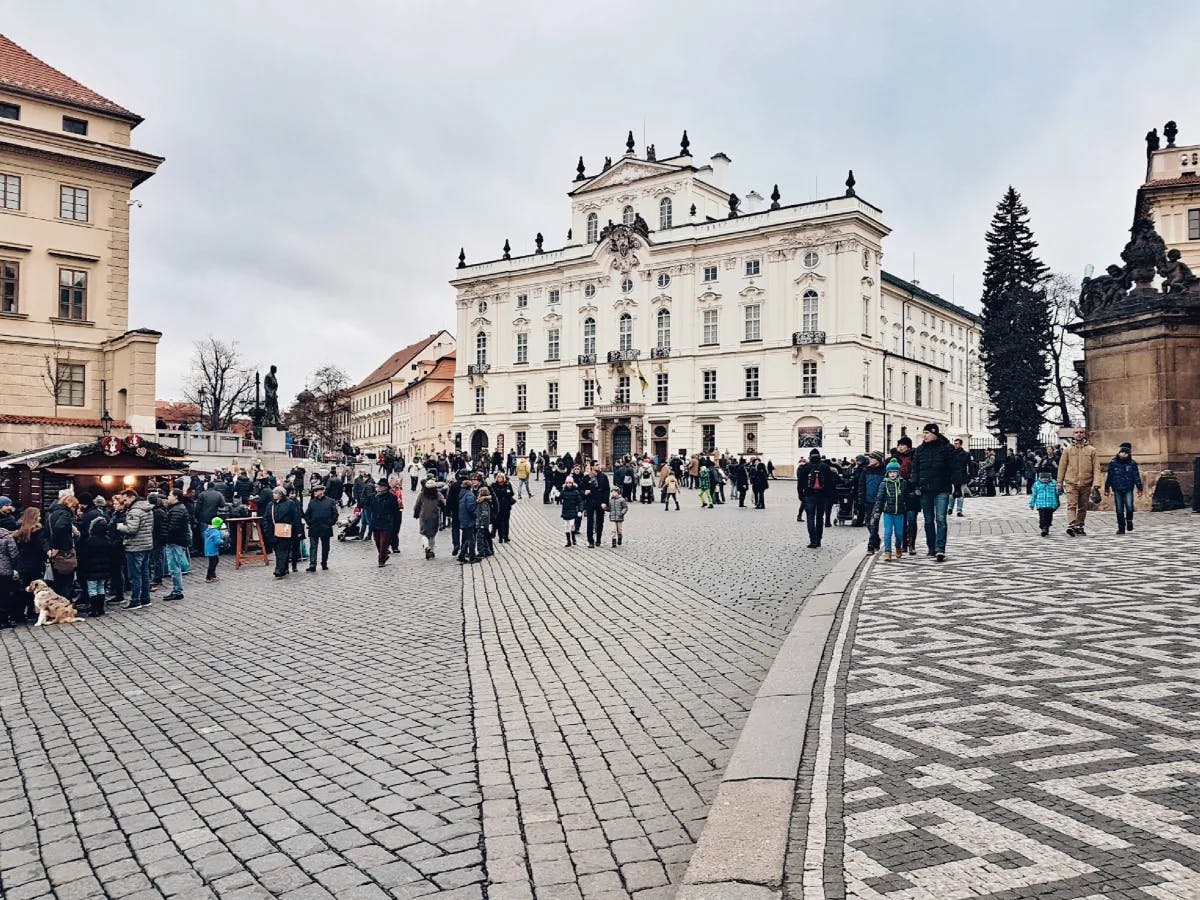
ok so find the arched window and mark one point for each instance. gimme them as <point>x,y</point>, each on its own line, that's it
<point>593,228</point>
<point>481,349</point>
<point>664,329</point>
<point>810,310</point>
<point>664,213</point>
<point>589,335</point>
<point>627,215</point>
<point>625,330</point>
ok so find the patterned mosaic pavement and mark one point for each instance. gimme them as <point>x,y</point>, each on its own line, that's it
<point>1021,721</point>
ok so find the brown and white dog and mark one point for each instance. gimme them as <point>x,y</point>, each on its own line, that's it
<point>52,608</point>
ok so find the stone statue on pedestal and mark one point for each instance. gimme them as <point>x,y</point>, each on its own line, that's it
<point>1177,275</point>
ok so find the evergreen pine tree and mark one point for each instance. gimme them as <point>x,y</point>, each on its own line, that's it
<point>1016,322</point>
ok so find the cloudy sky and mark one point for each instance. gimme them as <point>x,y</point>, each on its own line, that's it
<point>325,161</point>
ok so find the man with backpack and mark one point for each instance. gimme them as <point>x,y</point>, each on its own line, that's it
<point>814,486</point>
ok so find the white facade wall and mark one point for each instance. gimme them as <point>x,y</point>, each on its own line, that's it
<point>831,247</point>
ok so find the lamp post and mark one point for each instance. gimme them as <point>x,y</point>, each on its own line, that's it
<point>203,395</point>
<point>106,419</point>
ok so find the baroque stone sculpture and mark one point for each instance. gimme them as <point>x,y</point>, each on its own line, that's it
<point>271,398</point>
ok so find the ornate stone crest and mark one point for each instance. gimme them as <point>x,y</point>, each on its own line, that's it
<point>623,244</point>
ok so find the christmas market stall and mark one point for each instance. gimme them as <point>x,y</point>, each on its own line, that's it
<point>98,468</point>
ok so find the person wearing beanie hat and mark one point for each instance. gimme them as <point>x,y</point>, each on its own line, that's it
<point>815,486</point>
<point>866,488</point>
<point>1044,497</point>
<point>212,547</point>
<point>933,471</point>
<point>890,505</point>
<point>1121,480</point>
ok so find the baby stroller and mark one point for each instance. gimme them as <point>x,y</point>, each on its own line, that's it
<point>353,526</point>
<point>844,496</point>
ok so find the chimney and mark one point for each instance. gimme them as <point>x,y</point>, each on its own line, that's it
<point>720,170</point>
<point>754,202</point>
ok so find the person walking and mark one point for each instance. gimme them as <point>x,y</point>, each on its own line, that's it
<point>618,506</point>
<point>483,521</point>
<point>415,471</point>
<point>758,483</point>
<point>334,487</point>
<point>396,486</point>
<point>175,551</point>
<point>523,478</point>
<point>208,504</point>
<point>1045,497</point>
<point>428,513</point>
<point>212,547</point>
<point>903,454</point>
<point>670,490</point>
<point>933,477</point>
<point>1121,479</point>
<point>468,506</point>
<point>572,507</point>
<point>741,482</point>
<point>595,501</point>
<point>138,529</point>
<point>890,502</point>
<point>705,479</point>
<point>646,483</point>
<point>385,518</point>
<point>321,516</point>
<point>963,466</point>
<point>1078,476</point>
<point>869,479</point>
<point>285,516</point>
<point>814,483</point>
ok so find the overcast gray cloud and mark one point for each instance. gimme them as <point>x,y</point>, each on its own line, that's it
<point>326,161</point>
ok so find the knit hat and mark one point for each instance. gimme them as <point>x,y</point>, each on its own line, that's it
<point>98,502</point>
<point>877,455</point>
<point>932,428</point>
<point>430,483</point>
<point>893,465</point>
<point>814,452</point>
<point>5,501</point>
<point>217,522</point>
<point>1127,447</point>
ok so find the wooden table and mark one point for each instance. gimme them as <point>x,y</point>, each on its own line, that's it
<point>248,542</point>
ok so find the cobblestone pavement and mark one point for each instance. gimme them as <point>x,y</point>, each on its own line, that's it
<point>1018,722</point>
<point>302,739</point>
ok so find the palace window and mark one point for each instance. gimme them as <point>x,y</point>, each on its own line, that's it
<point>711,332</point>
<point>552,395</point>
<point>917,382</point>
<point>522,347</point>
<point>74,126</point>
<point>867,436</point>
<point>552,440</point>
<point>710,384</point>
<point>664,213</point>
<point>663,279</point>
<point>10,191</point>
<point>554,296</point>
<point>479,400</point>
<point>10,111</point>
<point>662,388</point>
<point>663,320</point>
<point>808,379</point>
<point>72,294</point>
<point>866,316</point>
<point>753,266</point>
<point>626,285</point>
<point>481,342</point>
<point>625,331</point>
<point>552,345</point>
<point>522,301</point>
<point>589,335</point>
<point>627,215</point>
<point>623,389</point>
<point>904,387</point>
<point>1194,224</point>
<point>811,258</point>
<point>753,322</point>
<point>810,319</point>
<point>589,393</point>
<point>708,438</point>
<point>70,381</point>
<point>520,443</point>
<point>10,276</point>
<point>752,383</point>
<point>887,388</point>
<point>589,291</point>
<point>593,228</point>
<point>522,398</point>
<point>73,203</point>
<point>866,378</point>
<point>710,273</point>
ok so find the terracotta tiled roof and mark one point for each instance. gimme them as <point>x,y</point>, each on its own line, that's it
<point>445,395</point>
<point>396,362</point>
<point>1169,182</point>
<point>443,370</point>
<point>51,420</point>
<point>22,71</point>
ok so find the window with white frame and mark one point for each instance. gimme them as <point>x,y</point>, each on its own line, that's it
<point>589,393</point>
<point>753,266</point>
<point>10,280</point>
<point>904,387</point>
<point>522,347</point>
<point>520,443</point>
<point>70,381</point>
<point>917,383</point>
<point>866,378</point>
<point>664,213</point>
<point>866,316</point>
<point>810,311</point>
<point>480,400</point>
<point>589,291</point>
<point>711,333</point>
<point>662,388</point>
<point>552,440</point>
<point>73,203</point>
<point>623,389</point>
<point>593,228</point>
<point>811,258</point>
<point>752,383</point>
<point>663,279</point>
<point>72,294</point>
<point>522,301</point>
<point>663,321</point>
<point>522,398</point>
<point>10,191</point>
<point>808,379</point>
<point>626,285</point>
<point>753,322</point>
<point>710,273</point>
<point>481,343</point>
<point>627,215</point>
<point>941,395</point>
<point>589,335</point>
<point>709,377</point>
<point>888,384</point>
<point>555,296</point>
<point>552,395</point>
<point>708,438</point>
<point>625,331</point>
<point>552,345</point>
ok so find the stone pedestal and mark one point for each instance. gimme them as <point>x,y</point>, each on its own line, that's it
<point>1142,383</point>
<point>274,440</point>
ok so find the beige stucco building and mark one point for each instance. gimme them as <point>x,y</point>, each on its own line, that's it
<point>422,413</point>
<point>371,408</point>
<point>66,173</point>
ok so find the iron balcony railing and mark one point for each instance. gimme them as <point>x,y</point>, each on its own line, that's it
<point>800,338</point>
<point>660,352</point>
<point>620,356</point>
<point>478,369</point>
<point>587,359</point>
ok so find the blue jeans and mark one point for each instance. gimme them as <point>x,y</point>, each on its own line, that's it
<point>933,510</point>
<point>138,562</point>
<point>893,524</point>
<point>1124,502</point>
<point>177,561</point>
<point>95,588</point>
<point>364,526</point>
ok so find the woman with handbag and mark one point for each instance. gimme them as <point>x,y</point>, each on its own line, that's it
<point>285,515</point>
<point>60,520</point>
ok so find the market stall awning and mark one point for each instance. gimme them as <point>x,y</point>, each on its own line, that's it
<point>114,467</point>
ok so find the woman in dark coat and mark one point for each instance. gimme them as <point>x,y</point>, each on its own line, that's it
<point>428,512</point>
<point>32,549</point>
<point>284,512</point>
<point>503,499</point>
<point>60,521</point>
<point>95,561</point>
<point>385,519</point>
<point>572,509</point>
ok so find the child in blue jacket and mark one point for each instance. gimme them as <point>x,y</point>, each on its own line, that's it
<point>1122,478</point>
<point>212,546</point>
<point>890,505</point>
<point>1045,497</point>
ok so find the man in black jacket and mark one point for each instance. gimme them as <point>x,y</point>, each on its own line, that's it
<point>933,471</point>
<point>595,501</point>
<point>178,536</point>
<point>321,516</point>
<point>208,504</point>
<point>814,487</point>
<point>284,512</point>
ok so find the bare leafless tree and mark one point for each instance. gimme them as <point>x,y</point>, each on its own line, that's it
<point>219,383</point>
<point>1064,397</point>
<point>319,408</point>
<point>54,375</point>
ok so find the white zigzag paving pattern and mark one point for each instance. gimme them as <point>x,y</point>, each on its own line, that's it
<point>1024,721</point>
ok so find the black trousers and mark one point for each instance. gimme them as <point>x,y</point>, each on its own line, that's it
<point>212,566</point>
<point>595,524</point>
<point>546,490</point>
<point>501,525</point>
<point>1045,519</point>
<point>323,540</point>
<point>116,572</point>
<point>759,499</point>
<point>283,555</point>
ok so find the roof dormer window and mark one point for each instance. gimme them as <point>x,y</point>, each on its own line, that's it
<point>627,215</point>
<point>74,126</point>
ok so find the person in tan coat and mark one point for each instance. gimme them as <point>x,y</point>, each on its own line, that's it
<point>1078,474</point>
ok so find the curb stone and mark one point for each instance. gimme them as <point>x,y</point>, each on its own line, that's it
<point>741,851</point>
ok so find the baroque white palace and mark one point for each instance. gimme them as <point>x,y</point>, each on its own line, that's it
<point>682,319</point>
